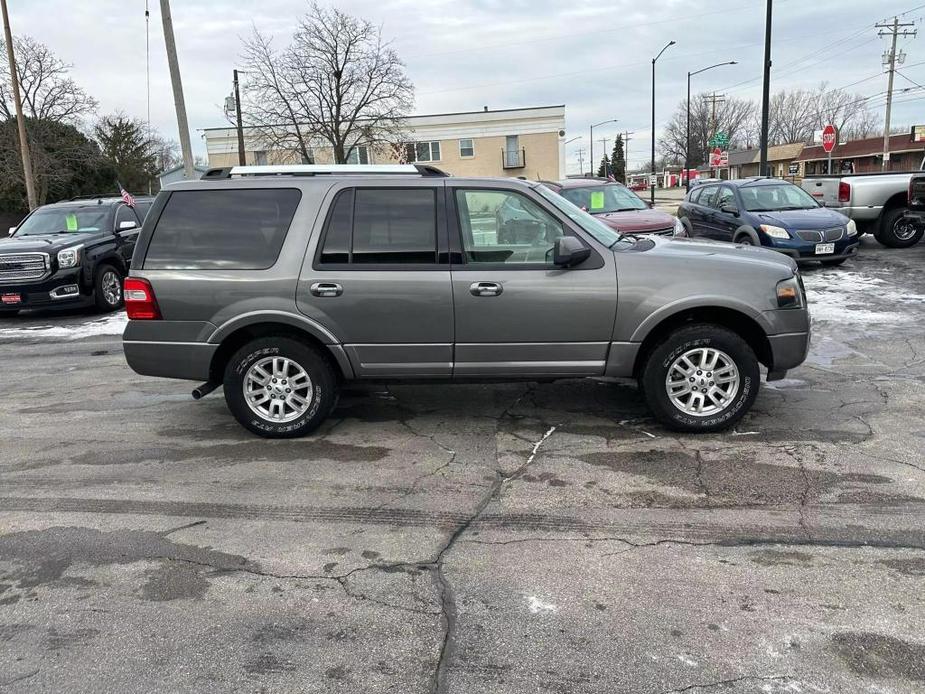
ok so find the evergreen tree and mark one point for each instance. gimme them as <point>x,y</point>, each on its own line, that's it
<point>604,167</point>
<point>618,160</point>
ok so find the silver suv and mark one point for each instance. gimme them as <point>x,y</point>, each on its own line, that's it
<point>281,283</point>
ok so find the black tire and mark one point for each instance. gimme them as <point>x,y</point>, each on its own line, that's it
<point>319,370</point>
<point>896,232</point>
<point>654,374</point>
<point>104,298</point>
<point>9,313</point>
<point>833,263</point>
<point>745,240</point>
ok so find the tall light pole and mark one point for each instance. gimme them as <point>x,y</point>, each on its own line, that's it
<point>687,150</point>
<point>20,121</point>
<point>237,109</point>
<point>765,95</point>
<point>178,101</point>
<point>591,153</point>
<point>652,174</point>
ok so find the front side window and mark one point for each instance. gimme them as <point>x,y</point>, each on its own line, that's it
<point>725,197</point>
<point>604,198</point>
<point>773,198</point>
<point>222,229</point>
<point>466,148</point>
<point>382,226</point>
<point>505,227</point>
<point>707,195</point>
<point>600,231</point>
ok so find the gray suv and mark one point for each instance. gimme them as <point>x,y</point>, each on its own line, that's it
<point>282,283</point>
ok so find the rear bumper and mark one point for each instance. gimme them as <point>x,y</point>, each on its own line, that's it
<point>184,360</point>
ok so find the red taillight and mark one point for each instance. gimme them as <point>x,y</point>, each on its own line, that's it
<point>140,303</point>
<point>844,191</point>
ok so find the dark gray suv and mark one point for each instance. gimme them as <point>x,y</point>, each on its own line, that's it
<point>281,283</point>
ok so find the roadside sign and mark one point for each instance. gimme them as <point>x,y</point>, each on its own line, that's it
<point>918,133</point>
<point>793,169</point>
<point>720,140</point>
<point>724,158</point>
<point>828,138</point>
<point>715,156</point>
<point>653,180</point>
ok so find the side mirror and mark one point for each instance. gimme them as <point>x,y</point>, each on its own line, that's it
<point>127,225</point>
<point>569,251</point>
<point>12,230</point>
<point>730,209</point>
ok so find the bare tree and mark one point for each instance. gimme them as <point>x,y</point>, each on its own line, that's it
<point>731,117</point>
<point>48,92</point>
<point>338,81</point>
<point>849,113</point>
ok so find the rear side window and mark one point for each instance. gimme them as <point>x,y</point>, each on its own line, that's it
<point>382,226</point>
<point>222,229</point>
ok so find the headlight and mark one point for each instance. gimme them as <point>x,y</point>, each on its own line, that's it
<point>679,229</point>
<point>69,257</point>
<point>789,294</point>
<point>851,228</point>
<point>775,232</point>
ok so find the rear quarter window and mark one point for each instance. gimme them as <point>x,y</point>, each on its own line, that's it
<point>222,229</point>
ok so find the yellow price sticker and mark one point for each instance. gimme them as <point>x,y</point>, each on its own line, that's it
<point>597,200</point>
<point>71,222</point>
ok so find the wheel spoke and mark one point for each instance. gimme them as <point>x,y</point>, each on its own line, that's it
<point>703,381</point>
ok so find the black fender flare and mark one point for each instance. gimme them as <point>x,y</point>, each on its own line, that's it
<point>746,230</point>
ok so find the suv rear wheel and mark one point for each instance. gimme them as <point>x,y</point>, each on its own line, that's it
<point>701,378</point>
<point>278,387</point>
<point>899,231</point>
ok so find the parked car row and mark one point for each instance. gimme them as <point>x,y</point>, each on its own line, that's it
<point>73,253</point>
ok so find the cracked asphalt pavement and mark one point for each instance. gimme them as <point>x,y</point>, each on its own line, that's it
<point>471,539</point>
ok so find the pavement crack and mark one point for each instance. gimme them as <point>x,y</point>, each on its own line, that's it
<point>20,678</point>
<point>734,680</point>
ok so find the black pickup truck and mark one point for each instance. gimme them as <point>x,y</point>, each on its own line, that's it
<point>917,198</point>
<point>72,253</point>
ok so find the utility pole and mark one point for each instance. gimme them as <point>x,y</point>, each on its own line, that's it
<point>603,141</point>
<point>581,161</point>
<point>178,101</point>
<point>713,99</point>
<point>894,29</point>
<point>765,94</point>
<point>237,110</point>
<point>653,178</point>
<point>20,121</point>
<point>626,153</point>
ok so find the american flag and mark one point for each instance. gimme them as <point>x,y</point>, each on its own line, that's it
<point>126,196</point>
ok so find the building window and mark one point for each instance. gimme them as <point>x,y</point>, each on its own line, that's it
<point>422,151</point>
<point>466,148</point>
<point>359,155</point>
<point>260,157</point>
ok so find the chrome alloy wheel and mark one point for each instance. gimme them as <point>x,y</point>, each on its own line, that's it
<point>702,381</point>
<point>904,229</point>
<point>112,287</point>
<point>277,389</point>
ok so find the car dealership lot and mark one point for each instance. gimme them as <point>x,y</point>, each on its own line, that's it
<point>479,538</point>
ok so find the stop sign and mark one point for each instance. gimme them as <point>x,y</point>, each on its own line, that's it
<point>828,138</point>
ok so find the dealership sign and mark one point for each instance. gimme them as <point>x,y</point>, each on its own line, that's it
<point>918,133</point>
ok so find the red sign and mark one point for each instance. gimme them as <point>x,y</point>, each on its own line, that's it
<point>828,138</point>
<point>715,157</point>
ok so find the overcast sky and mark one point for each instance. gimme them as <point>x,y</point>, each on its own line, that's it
<point>592,56</point>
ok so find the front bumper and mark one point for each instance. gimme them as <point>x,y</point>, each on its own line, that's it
<point>804,252</point>
<point>40,294</point>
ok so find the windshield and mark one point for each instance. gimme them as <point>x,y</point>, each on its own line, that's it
<point>603,198</point>
<point>64,220</point>
<point>600,231</point>
<point>775,198</point>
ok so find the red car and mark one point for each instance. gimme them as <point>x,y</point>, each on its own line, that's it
<point>617,206</point>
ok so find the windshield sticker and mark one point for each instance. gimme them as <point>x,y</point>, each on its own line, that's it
<point>597,200</point>
<point>71,222</point>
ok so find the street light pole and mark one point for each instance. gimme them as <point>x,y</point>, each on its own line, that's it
<point>237,109</point>
<point>765,95</point>
<point>591,153</point>
<point>652,174</point>
<point>687,150</point>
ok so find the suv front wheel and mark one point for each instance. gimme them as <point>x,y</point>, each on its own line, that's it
<point>278,387</point>
<point>107,289</point>
<point>701,378</point>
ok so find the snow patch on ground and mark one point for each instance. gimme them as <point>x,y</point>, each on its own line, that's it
<point>535,605</point>
<point>846,297</point>
<point>113,324</point>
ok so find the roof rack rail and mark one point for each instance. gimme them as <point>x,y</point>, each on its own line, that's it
<point>94,196</point>
<point>323,170</point>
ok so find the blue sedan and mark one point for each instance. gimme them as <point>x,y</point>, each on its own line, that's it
<point>772,213</point>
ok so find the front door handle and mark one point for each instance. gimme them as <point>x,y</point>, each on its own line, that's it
<point>326,289</point>
<point>485,289</point>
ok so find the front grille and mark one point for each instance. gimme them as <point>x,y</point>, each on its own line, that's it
<point>663,232</point>
<point>23,266</point>
<point>820,235</point>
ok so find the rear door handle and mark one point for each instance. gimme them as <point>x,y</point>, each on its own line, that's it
<point>485,289</point>
<point>326,289</point>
